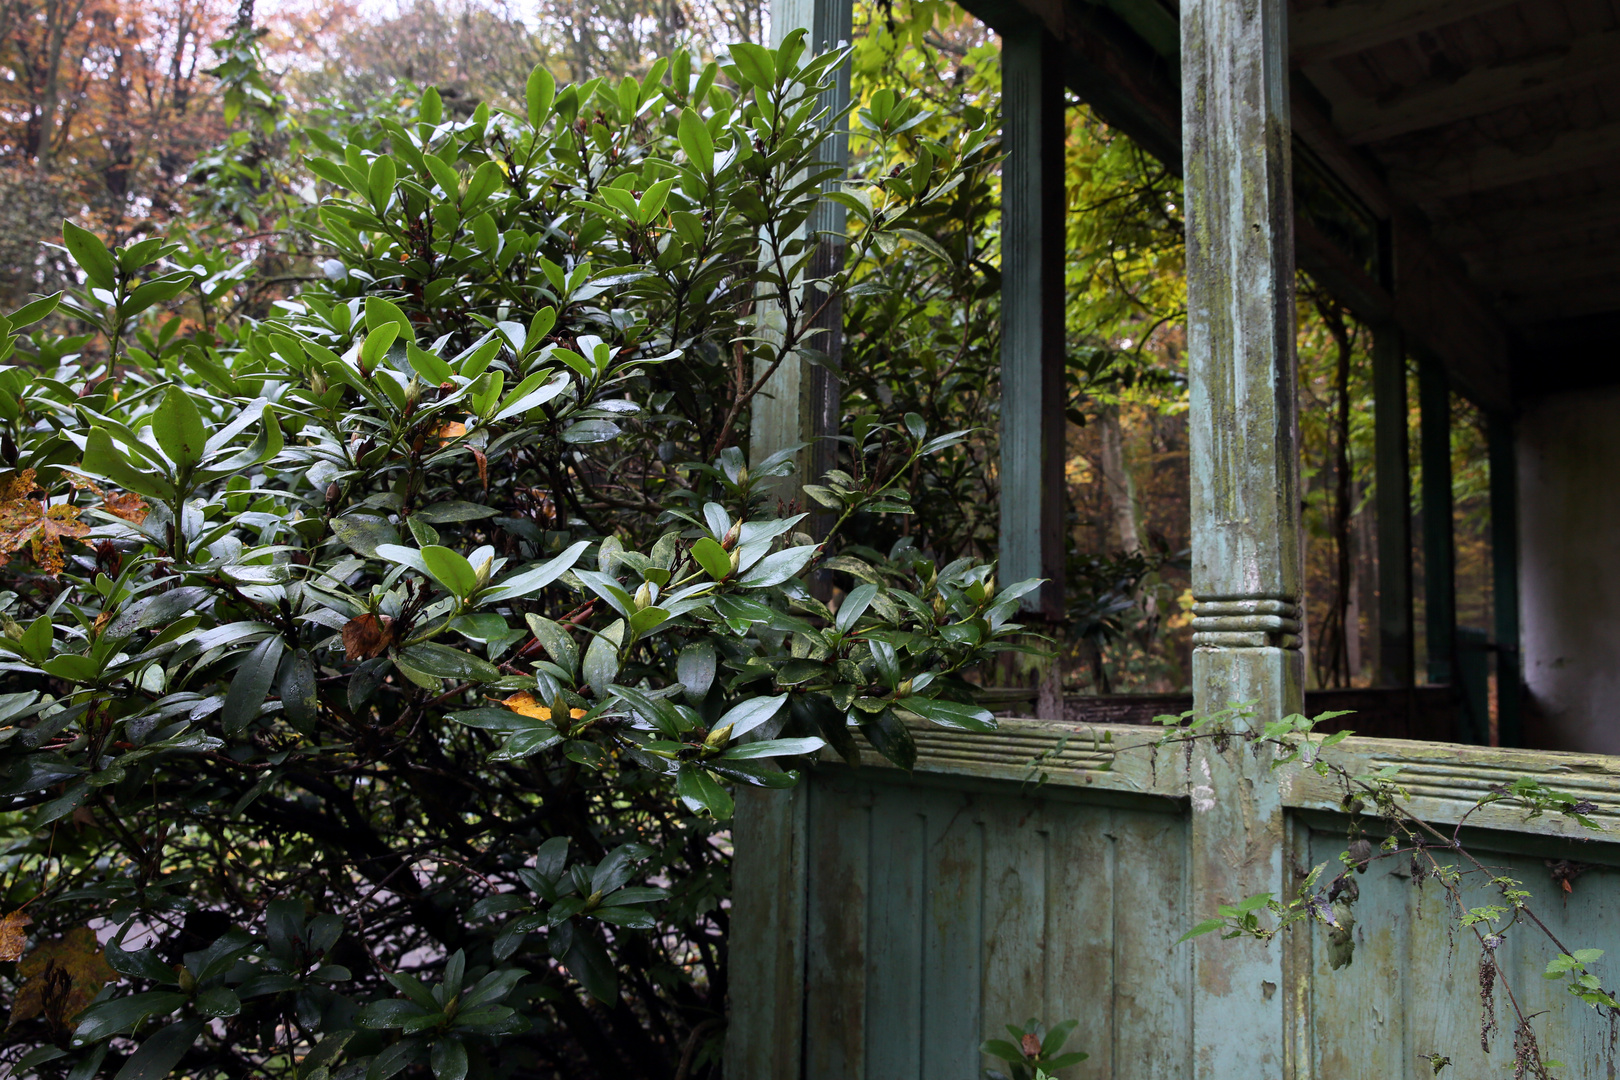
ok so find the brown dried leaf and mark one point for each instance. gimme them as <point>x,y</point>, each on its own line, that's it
<point>13,939</point>
<point>127,505</point>
<point>366,636</point>
<point>61,977</point>
<point>450,432</point>
<point>524,704</point>
<point>25,520</point>
<point>1030,1045</point>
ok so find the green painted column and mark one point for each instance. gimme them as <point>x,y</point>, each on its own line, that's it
<point>1439,554</point>
<point>1505,579</point>
<point>1032,345</point>
<point>1245,507</point>
<point>1394,509</point>
<point>802,402</point>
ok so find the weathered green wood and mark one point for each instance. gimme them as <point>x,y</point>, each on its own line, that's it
<point>840,897</point>
<point>949,902</point>
<point>1505,578</point>
<point>768,909</point>
<point>1439,557</point>
<point>1245,504</point>
<point>802,402</point>
<point>1394,509</point>
<point>1032,343</point>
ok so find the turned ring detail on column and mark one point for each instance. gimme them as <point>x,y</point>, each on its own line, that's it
<point>1246,623</point>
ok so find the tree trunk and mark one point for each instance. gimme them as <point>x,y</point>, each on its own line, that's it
<point>1117,479</point>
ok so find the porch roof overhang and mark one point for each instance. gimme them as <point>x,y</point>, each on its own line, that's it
<point>1455,165</point>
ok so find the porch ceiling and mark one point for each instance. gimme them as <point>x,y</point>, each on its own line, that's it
<point>1499,122</point>
<point>1477,142</point>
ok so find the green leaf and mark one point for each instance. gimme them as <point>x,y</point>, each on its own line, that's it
<point>156,291</point>
<point>748,715</point>
<point>121,1014</point>
<point>713,558</point>
<point>104,459</point>
<point>162,1050</point>
<point>250,685</point>
<point>449,1060</point>
<point>91,255</point>
<point>447,663</point>
<point>380,312</point>
<point>854,606</point>
<point>179,428</point>
<point>891,738</point>
<point>364,535</point>
<point>695,669</point>
<point>951,714</point>
<point>1205,927</point>
<point>556,641</point>
<point>433,370</point>
<point>602,658</point>
<point>538,94</point>
<point>393,1059</point>
<point>775,748</point>
<point>380,181</point>
<point>775,569</point>
<point>585,432</point>
<point>450,569</point>
<point>536,578</point>
<point>33,311</point>
<point>755,62</point>
<point>588,962</point>
<point>696,142</point>
<point>699,789</point>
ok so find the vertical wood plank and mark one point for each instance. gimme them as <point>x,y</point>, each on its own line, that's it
<point>839,888</point>
<point>1014,907</point>
<point>1081,922</point>
<point>802,402</point>
<point>1152,975</point>
<point>1394,508</point>
<point>1505,578</point>
<point>1439,558</point>
<point>952,949</point>
<point>766,946</point>
<point>1032,345</point>
<point>896,916</point>
<point>1359,1011</point>
<point>1245,502</point>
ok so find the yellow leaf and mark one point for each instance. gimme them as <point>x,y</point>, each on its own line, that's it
<point>60,978</point>
<point>12,936</point>
<point>524,704</point>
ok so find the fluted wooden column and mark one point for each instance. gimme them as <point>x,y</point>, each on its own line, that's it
<point>1245,503</point>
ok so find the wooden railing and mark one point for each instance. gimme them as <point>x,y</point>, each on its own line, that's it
<point>885,923</point>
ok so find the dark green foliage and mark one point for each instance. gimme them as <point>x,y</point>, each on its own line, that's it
<point>376,675</point>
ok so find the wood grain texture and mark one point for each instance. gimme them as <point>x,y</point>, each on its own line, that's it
<point>1394,513</point>
<point>1032,331</point>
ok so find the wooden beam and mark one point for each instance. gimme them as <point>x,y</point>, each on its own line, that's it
<point>1578,217</point>
<point>1243,431</point>
<point>1439,553</point>
<point>1032,336</point>
<point>1438,101</point>
<point>1488,166</point>
<point>1505,578</point>
<point>1596,295</point>
<point>1394,509</point>
<point>1340,275</point>
<point>1331,30</point>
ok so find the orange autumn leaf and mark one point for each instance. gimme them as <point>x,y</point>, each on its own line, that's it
<point>27,520</point>
<point>366,636</point>
<point>127,505</point>
<point>525,704</point>
<point>450,432</point>
<point>61,977</point>
<point>13,938</point>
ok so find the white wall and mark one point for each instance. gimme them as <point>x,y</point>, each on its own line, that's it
<point>1569,570</point>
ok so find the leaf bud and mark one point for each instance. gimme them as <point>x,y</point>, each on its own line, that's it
<point>333,494</point>
<point>718,737</point>
<point>736,560</point>
<point>317,383</point>
<point>904,689</point>
<point>11,627</point>
<point>644,596</point>
<point>484,571</point>
<point>729,540</point>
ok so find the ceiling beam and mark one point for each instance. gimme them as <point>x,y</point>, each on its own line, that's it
<point>1588,59</point>
<point>1351,26</point>
<point>1570,300</point>
<point>1572,219</point>
<point>1493,165</point>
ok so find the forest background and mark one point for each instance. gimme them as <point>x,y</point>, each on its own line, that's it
<point>115,113</point>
